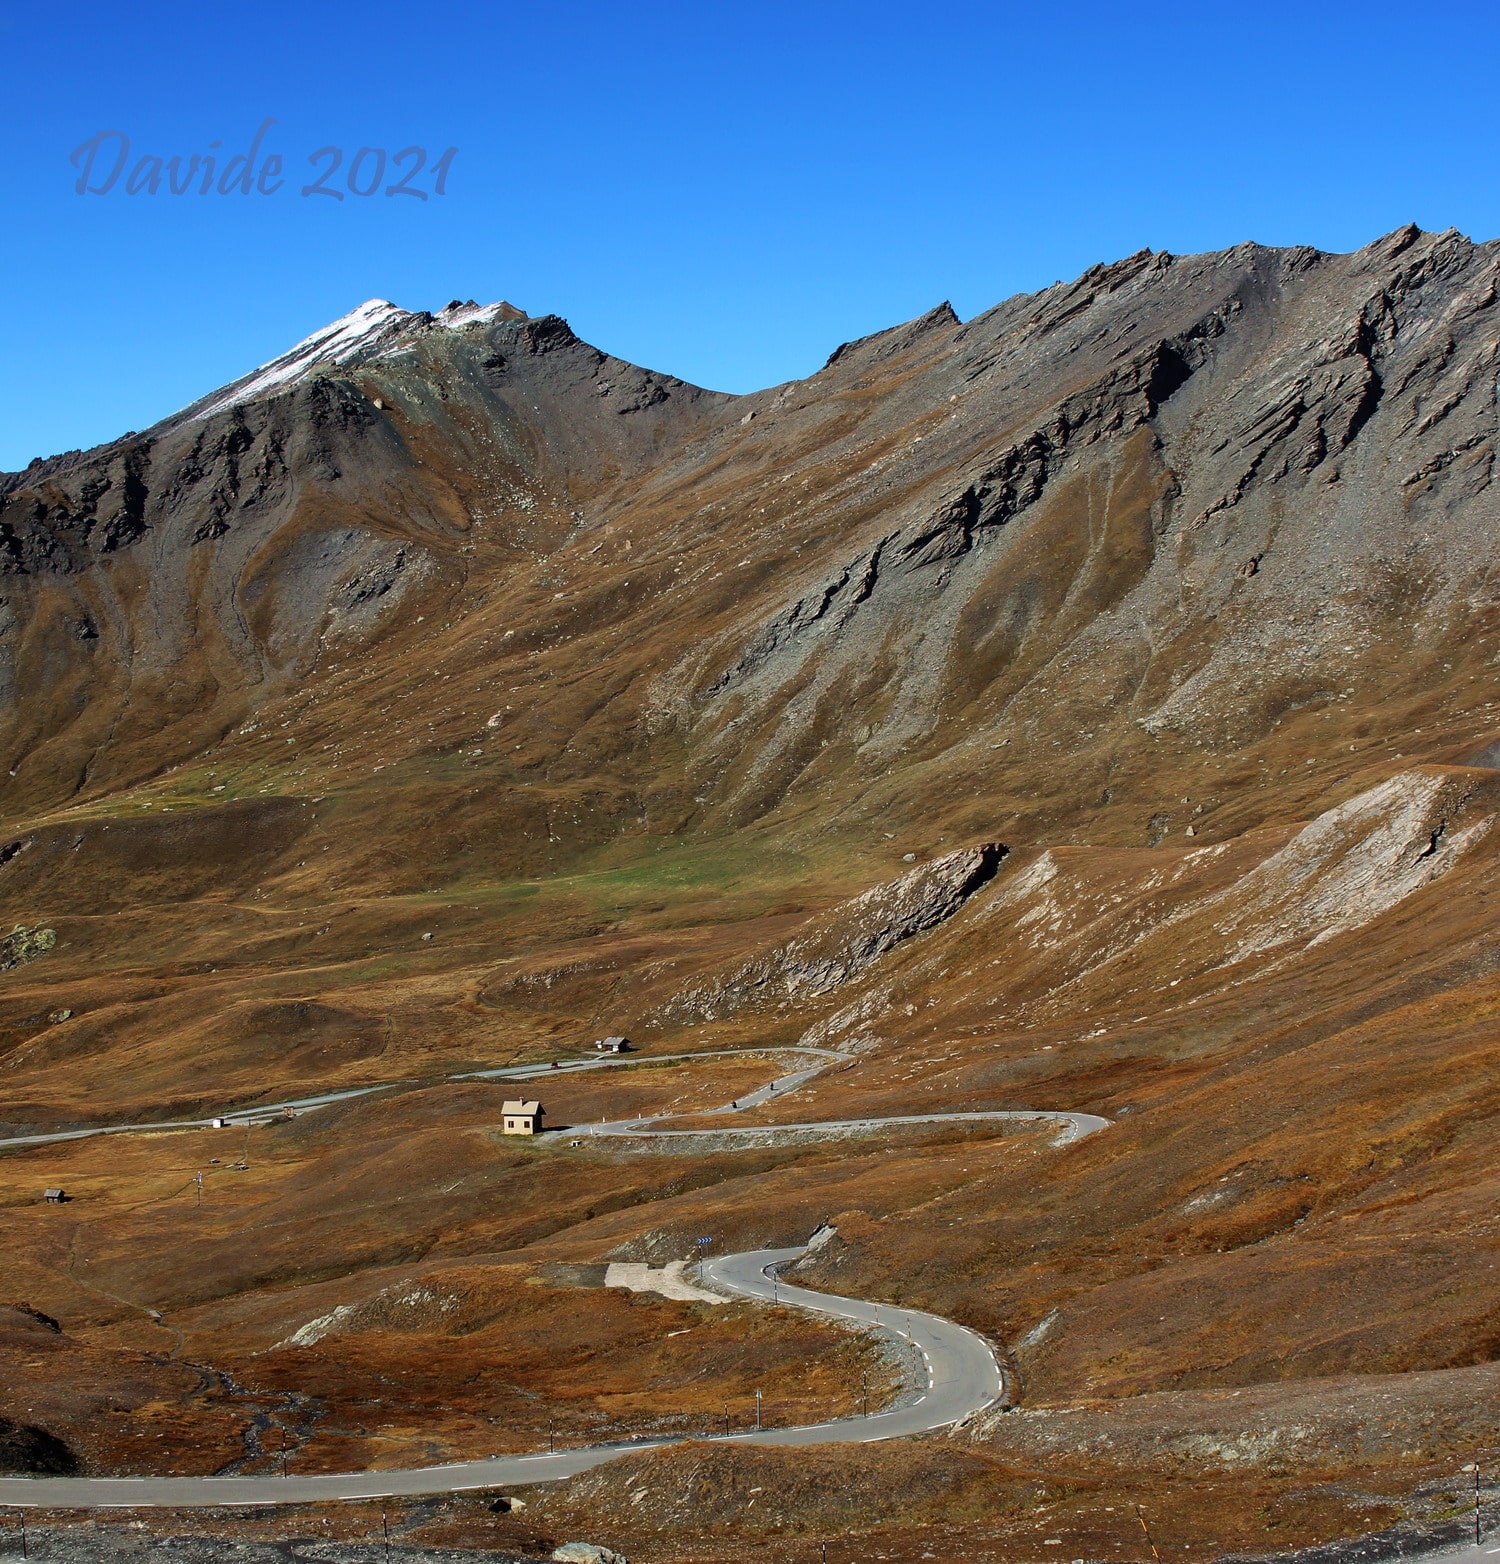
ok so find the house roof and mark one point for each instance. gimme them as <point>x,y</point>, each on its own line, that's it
<point>520,1109</point>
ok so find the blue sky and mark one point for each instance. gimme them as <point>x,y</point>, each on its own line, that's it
<point>725,191</point>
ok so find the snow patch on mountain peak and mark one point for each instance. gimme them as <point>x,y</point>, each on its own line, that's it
<point>472,314</point>
<point>337,341</point>
<point>333,344</point>
<point>376,327</point>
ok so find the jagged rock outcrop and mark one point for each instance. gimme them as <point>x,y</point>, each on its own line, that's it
<point>843,942</point>
<point>586,1553</point>
<point>1357,860</point>
<point>22,945</point>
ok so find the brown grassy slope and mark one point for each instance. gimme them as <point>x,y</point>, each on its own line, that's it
<point>1195,543</point>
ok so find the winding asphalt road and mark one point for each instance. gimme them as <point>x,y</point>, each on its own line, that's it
<point>1076,1125</point>
<point>959,1375</point>
<point>270,1112</point>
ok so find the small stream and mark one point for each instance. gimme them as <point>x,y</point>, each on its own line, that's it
<point>291,1413</point>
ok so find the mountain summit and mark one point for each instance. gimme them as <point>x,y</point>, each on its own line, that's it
<point>377,329</point>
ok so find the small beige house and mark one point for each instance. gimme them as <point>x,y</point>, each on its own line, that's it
<point>522,1118</point>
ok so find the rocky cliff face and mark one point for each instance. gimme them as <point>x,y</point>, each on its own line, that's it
<point>843,942</point>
